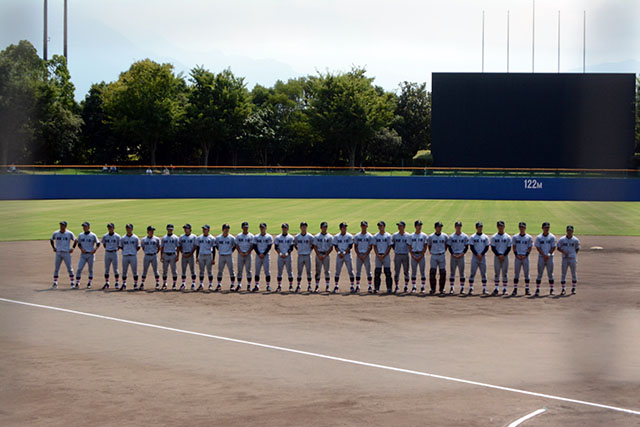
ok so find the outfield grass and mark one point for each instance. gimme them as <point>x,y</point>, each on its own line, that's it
<point>37,219</point>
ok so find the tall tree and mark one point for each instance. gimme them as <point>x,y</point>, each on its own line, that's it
<point>414,119</point>
<point>145,104</point>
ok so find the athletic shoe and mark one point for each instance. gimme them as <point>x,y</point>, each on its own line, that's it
<point>357,289</point>
<point>369,290</point>
<point>537,292</point>
<point>173,287</point>
<point>309,289</point>
<point>123,287</point>
<point>141,287</point>
<point>470,292</point>
<point>495,292</point>
<point>375,291</point>
<point>256,288</point>
<point>326,289</point>
<point>193,287</point>
<point>527,292</point>
<point>432,292</point>
<point>563,292</point>
<point>297,289</point>
<point>406,289</point>
<point>504,291</point>
<point>238,288</point>
<point>88,285</point>
<point>232,288</point>
<point>55,286</point>
<point>218,288</point>
<point>484,292</point>
<point>336,289</point>
<point>135,287</point>
<point>414,290</point>
<point>117,286</point>
<point>461,291</point>
<point>268,288</point>
<point>278,289</point>
<point>573,291</point>
<point>316,290</point>
<point>552,292</point>
<point>164,287</point>
<point>351,290</point>
<point>183,287</point>
<point>106,286</point>
<point>395,291</point>
<point>514,293</point>
<point>422,290</point>
<point>200,288</point>
<point>157,286</point>
<point>451,291</point>
<point>73,286</point>
<point>210,287</point>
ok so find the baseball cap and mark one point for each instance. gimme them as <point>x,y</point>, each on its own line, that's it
<point>129,226</point>
<point>63,223</point>
<point>343,224</point>
<point>169,226</point>
<point>417,222</point>
<point>304,223</point>
<point>284,225</point>
<point>226,226</point>
<point>382,223</point>
<point>479,224</point>
<point>570,227</point>
<point>151,228</point>
<point>324,224</point>
<point>364,223</point>
<point>500,223</point>
<point>522,224</point>
<point>245,224</point>
<point>86,224</point>
<point>545,224</point>
<point>187,225</point>
<point>402,223</point>
<point>111,225</point>
<point>263,225</point>
<point>206,227</point>
<point>458,224</point>
<point>437,224</point>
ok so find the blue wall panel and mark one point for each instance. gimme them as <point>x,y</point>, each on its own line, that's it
<point>21,187</point>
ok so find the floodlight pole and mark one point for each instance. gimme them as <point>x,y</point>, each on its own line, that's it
<point>66,56</point>
<point>45,35</point>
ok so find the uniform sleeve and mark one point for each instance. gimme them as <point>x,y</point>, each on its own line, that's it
<point>137,242</point>
<point>553,242</point>
<point>334,241</point>
<point>537,243</point>
<point>577,245</point>
<point>53,237</point>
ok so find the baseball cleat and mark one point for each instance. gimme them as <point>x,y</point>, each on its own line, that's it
<point>123,287</point>
<point>484,292</point>
<point>573,291</point>
<point>432,292</point>
<point>514,293</point>
<point>55,286</point>
<point>327,289</point>
<point>256,288</point>
<point>461,291</point>
<point>290,288</point>
<point>504,291</point>
<point>537,292</point>
<point>395,291</point>
<point>317,289</point>
<point>164,287</point>
<point>157,286</point>
<point>297,289</point>
<point>193,287</point>
<point>422,290</point>
<point>309,289</point>
<point>135,287</point>
<point>200,288</point>
<point>527,292</point>
<point>218,288</point>
<point>268,288</point>
<point>414,290</point>
<point>351,290</point>
<point>182,287</point>
<point>563,292</point>
<point>117,286</point>
<point>357,289</point>
<point>495,292</point>
<point>470,292</point>
<point>141,287</point>
<point>173,287</point>
<point>278,289</point>
<point>451,291</point>
<point>369,290</point>
<point>210,287</point>
<point>232,288</point>
<point>88,285</point>
<point>336,289</point>
<point>406,289</point>
<point>106,286</point>
<point>552,292</point>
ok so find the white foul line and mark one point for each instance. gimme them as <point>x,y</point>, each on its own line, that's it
<point>324,356</point>
<point>526,417</point>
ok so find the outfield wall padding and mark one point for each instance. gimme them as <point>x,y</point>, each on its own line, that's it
<point>25,187</point>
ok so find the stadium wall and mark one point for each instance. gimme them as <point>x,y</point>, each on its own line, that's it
<point>25,187</point>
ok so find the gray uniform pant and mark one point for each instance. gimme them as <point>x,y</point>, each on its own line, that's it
<point>415,265</point>
<point>401,261</point>
<point>150,260</point>
<point>188,262</point>
<point>111,259</point>
<point>169,261</point>
<point>501,267</point>
<point>385,263</point>
<point>88,260</point>
<point>456,264</point>
<point>129,261</point>
<point>304,261</point>
<point>320,264</point>
<point>226,260</point>
<point>244,264</point>
<point>367,266</point>
<point>263,264</point>
<point>521,264</point>
<point>478,264</point>
<point>347,262</point>
<point>59,258</point>
<point>205,262</point>
<point>438,261</point>
<point>571,263</point>
<point>541,266</point>
<point>282,263</point>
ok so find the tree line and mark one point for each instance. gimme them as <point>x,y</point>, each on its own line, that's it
<point>153,115</point>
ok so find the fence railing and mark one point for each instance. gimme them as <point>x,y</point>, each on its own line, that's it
<point>310,170</point>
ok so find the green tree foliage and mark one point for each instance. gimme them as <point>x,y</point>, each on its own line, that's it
<point>145,104</point>
<point>414,119</point>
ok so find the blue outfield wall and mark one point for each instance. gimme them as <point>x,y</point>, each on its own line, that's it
<point>24,187</point>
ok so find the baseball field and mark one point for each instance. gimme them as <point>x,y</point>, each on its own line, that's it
<point>93,357</point>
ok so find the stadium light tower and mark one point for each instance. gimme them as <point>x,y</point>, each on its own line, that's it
<point>44,35</point>
<point>66,56</point>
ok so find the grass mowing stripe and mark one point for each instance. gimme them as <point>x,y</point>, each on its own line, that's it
<point>37,219</point>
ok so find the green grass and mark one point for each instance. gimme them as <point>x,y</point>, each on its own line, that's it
<point>37,219</point>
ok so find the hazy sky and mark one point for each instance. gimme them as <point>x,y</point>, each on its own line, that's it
<point>266,40</point>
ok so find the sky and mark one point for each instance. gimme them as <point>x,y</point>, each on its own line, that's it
<point>267,40</point>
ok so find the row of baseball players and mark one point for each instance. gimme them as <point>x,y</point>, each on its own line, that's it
<point>409,249</point>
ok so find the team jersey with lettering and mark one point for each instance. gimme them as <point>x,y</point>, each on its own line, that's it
<point>304,243</point>
<point>323,242</point>
<point>363,242</point>
<point>438,243</point>
<point>521,244</point>
<point>501,242</point>
<point>479,243</point>
<point>569,246</point>
<point>205,244</point>
<point>129,244</point>
<point>343,242</point>
<point>382,241</point>
<point>458,243</point>
<point>187,243</point>
<point>545,243</point>
<point>418,241</point>
<point>111,242</point>
<point>225,244</point>
<point>63,240</point>
<point>87,241</point>
<point>150,245</point>
<point>244,242</point>
<point>400,242</point>
<point>170,243</point>
<point>283,243</point>
<point>263,243</point>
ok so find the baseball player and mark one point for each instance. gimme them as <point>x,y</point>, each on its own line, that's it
<point>284,246</point>
<point>186,247</point>
<point>458,245</point>
<point>61,241</point>
<point>322,246</point>
<point>262,245</point>
<point>88,243</point>
<point>418,242</point>
<point>205,256</point>
<point>130,245</point>
<point>363,242</point>
<point>169,256</point>
<point>437,247</point>
<point>244,246</point>
<point>400,241</point>
<point>343,243</point>
<point>226,244</point>
<point>569,246</point>
<point>303,243</point>
<point>500,246</point>
<point>111,243</point>
<point>382,244</point>
<point>150,248</point>
<point>545,245</point>
<point>522,244</point>
<point>479,244</point>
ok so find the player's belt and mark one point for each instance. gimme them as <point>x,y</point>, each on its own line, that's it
<point>186,253</point>
<point>129,254</point>
<point>151,254</point>
<point>441,253</point>
<point>169,253</point>
<point>402,253</point>
<point>417,253</point>
<point>322,252</point>
<point>111,250</point>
